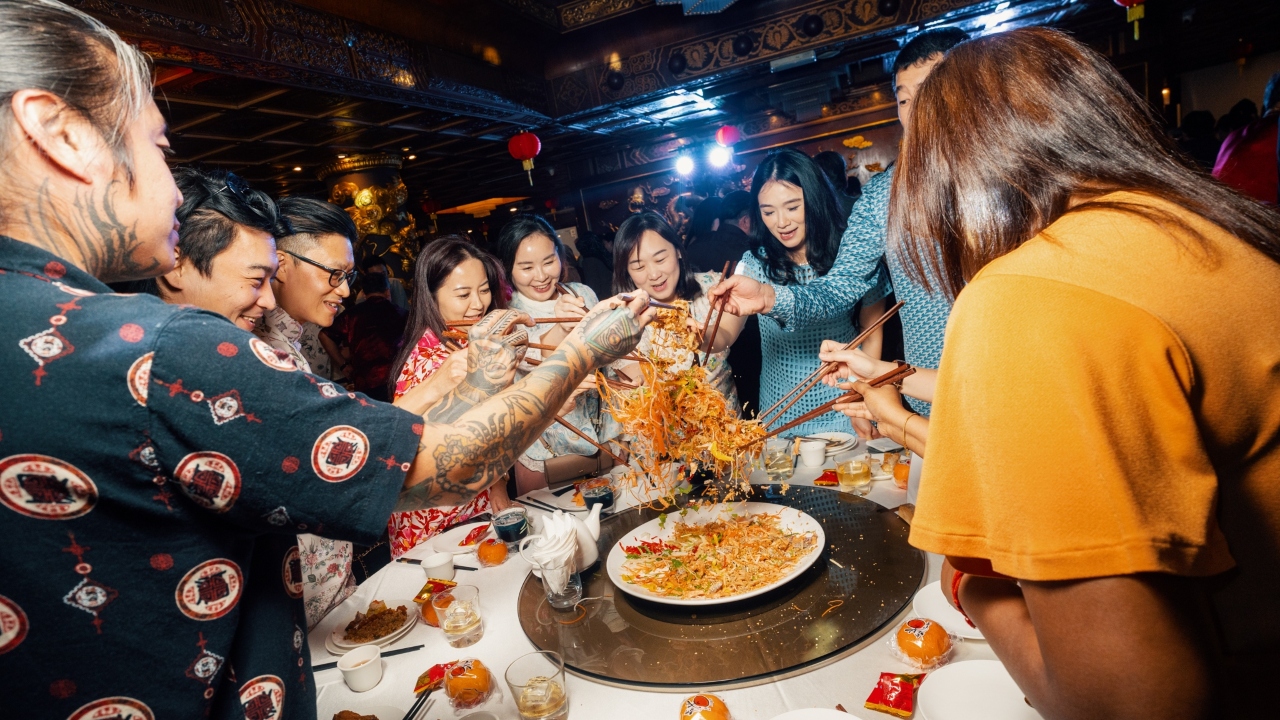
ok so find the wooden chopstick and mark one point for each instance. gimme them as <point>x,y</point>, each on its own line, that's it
<point>892,376</point>
<point>826,368</point>
<point>584,436</point>
<point>728,272</point>
<point>652,302</point>
<point>723,275</point>
<point>566,290</point>
<point>540,321</point>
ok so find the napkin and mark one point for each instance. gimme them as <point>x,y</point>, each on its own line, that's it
<point>553,550</point>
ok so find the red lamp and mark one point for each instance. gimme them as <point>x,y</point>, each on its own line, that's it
<point>525,146</point>
<point>728,136</point>
<point>1137,11</point>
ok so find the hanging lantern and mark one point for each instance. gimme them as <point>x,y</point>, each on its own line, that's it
<point>728,136</point>
<point>551,205</point>
<point>525,146</point>
<point>1137,11</point>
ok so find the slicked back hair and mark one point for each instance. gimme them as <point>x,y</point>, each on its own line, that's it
<point>924,45</point>
<point>308,219</point>
<point>211,210</point>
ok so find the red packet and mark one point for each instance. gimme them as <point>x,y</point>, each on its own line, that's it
<point>474,536</point>
<point>433,678</point>
<point>895,694</point>
<point>432,587</point>
<point>826,479</point>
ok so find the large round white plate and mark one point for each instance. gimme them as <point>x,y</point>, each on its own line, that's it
<point>410,620</point>
<point>792,519</point>
<point>815,714</point>
<point>846,441</point>
<point>973,690</point>
<point>932,604</point>
<point>448,540</point>
<point>565,502</point>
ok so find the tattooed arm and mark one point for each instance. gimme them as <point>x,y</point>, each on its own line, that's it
<point>458,460</point>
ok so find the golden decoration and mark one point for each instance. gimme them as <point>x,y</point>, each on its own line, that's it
<point>857,142</point>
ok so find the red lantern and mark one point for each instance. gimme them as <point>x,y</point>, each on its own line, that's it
<point>1137,11</point>
<point>525,146</point>
<point>728,136</point>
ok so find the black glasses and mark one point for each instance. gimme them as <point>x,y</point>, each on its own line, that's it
<point>336,276</point>
<point>238,188</point>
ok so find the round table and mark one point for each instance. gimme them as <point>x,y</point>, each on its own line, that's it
<point>846,679</point>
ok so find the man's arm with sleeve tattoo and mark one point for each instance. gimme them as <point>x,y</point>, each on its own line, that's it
<point>458,460</point>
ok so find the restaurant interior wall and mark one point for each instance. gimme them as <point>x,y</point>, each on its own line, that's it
<point>1218,87</point>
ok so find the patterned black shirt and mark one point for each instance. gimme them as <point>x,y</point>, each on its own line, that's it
<point>155,465</point>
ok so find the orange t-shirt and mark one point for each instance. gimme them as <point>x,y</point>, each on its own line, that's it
<point>1109,404</point>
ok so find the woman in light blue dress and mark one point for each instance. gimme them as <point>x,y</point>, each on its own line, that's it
<point>530,252</point>
<point>797,227</point>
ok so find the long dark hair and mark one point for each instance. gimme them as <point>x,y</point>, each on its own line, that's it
<point>520,227</point>
<point>823,221</point>
<point>1065,127</point>
<point>432,268</point>
<point>628,239</point>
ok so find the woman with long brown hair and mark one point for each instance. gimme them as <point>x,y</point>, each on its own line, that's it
<point>1114,341</point>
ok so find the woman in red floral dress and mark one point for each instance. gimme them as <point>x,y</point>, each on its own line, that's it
<point>453,281</point>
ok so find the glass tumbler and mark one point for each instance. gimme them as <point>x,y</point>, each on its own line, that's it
<point>537,684</point>
<point>458,610</point>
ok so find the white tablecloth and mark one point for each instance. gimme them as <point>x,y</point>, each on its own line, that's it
<point>847,681</point>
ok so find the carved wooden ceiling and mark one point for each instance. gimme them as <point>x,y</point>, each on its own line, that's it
<point>274,90</point>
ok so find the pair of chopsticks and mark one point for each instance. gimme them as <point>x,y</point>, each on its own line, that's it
<point>586,437</point>
<point>711,339</point>
<point>893,376</point>
<point>389,653</point>
<point>652,302</point>
<point>553,348</point>
<point>540,321</point>
<point>824,369</point>
<point>411,561</point>
<point>417,705</point>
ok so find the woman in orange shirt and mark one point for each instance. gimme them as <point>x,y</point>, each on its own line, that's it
<point>1106,424</point>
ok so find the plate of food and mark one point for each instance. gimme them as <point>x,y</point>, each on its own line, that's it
<point>382,623</point>
<point>464,538</point>
<point>716,553</point>
<point>571,498</point>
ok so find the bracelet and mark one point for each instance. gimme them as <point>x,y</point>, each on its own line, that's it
<point>904,426</point>
<point>955,596</point>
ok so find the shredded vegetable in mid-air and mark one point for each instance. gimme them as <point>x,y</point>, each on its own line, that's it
<point>721,558</point>
<point>676,415</point>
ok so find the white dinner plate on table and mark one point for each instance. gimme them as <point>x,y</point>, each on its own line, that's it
<point>411,619</point>
<point>791,519</point>
<point>973,690</point>
<point>564,501</point>
<point>837,442</point>
<point>816,714</point>
<point>932,604</point>
<point>449,541</point>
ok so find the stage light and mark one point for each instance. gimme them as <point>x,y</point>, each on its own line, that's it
<point>719,156</point>
<point>684,165</point>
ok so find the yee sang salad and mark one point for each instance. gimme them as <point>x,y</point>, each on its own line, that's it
<point>717,559</point>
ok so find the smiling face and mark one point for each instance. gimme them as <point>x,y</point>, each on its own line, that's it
<point>465,294</point>
<point>536,269</point>
<point>654,266</point>
<point>782,212</point>
<point>238,286</point>
<point>303,290</point>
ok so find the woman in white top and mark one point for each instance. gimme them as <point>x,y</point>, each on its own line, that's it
<point>646,255</point>
<point>530,252</point>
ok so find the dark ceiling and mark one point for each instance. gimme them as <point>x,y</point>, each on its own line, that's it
<point>275,90</point>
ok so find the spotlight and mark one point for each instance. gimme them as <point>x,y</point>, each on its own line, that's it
<point>719,156</point>
<point>297,169</point>
<point>342,156</point>
<point>684,165</point>
<point>412,157</point>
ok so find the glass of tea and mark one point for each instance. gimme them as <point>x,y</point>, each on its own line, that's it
<point>458,611</point>
<point>537,684</point>
<point>854,476</point>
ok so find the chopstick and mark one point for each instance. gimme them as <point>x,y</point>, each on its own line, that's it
<point>540,321</point>
<point>584,436</point>
<point>723,275</point>
<point>728,272</point>
<point>417,705</point>
<point>537,504</point>
<point>566,290</point>
<point>890,377</point>
<point>652,302</point>
<point>826,368</point>
<point>389,653</point>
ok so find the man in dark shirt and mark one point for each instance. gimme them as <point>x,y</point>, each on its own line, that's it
<point>729,239</point>
<point>371,332</point>
<point>148,451</point>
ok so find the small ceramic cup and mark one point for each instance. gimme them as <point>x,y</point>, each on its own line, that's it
<point>439,566</point>
<point>362,668</point>
<point>813,453</point>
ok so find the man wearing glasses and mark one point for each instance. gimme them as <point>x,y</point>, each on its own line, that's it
<point>226,247</point>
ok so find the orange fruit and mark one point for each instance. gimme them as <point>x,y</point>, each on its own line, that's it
<point>924,641</point>
<point>468,683</point>
<point>492,552</point>
<point>429,612</point>
<point>704,707</point>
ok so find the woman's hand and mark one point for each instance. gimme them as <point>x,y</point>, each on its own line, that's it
<point>588,384</point>
<point>850,363</point>
<point>882,405</point>
<point>570,306</point>
<point>744,296</point>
